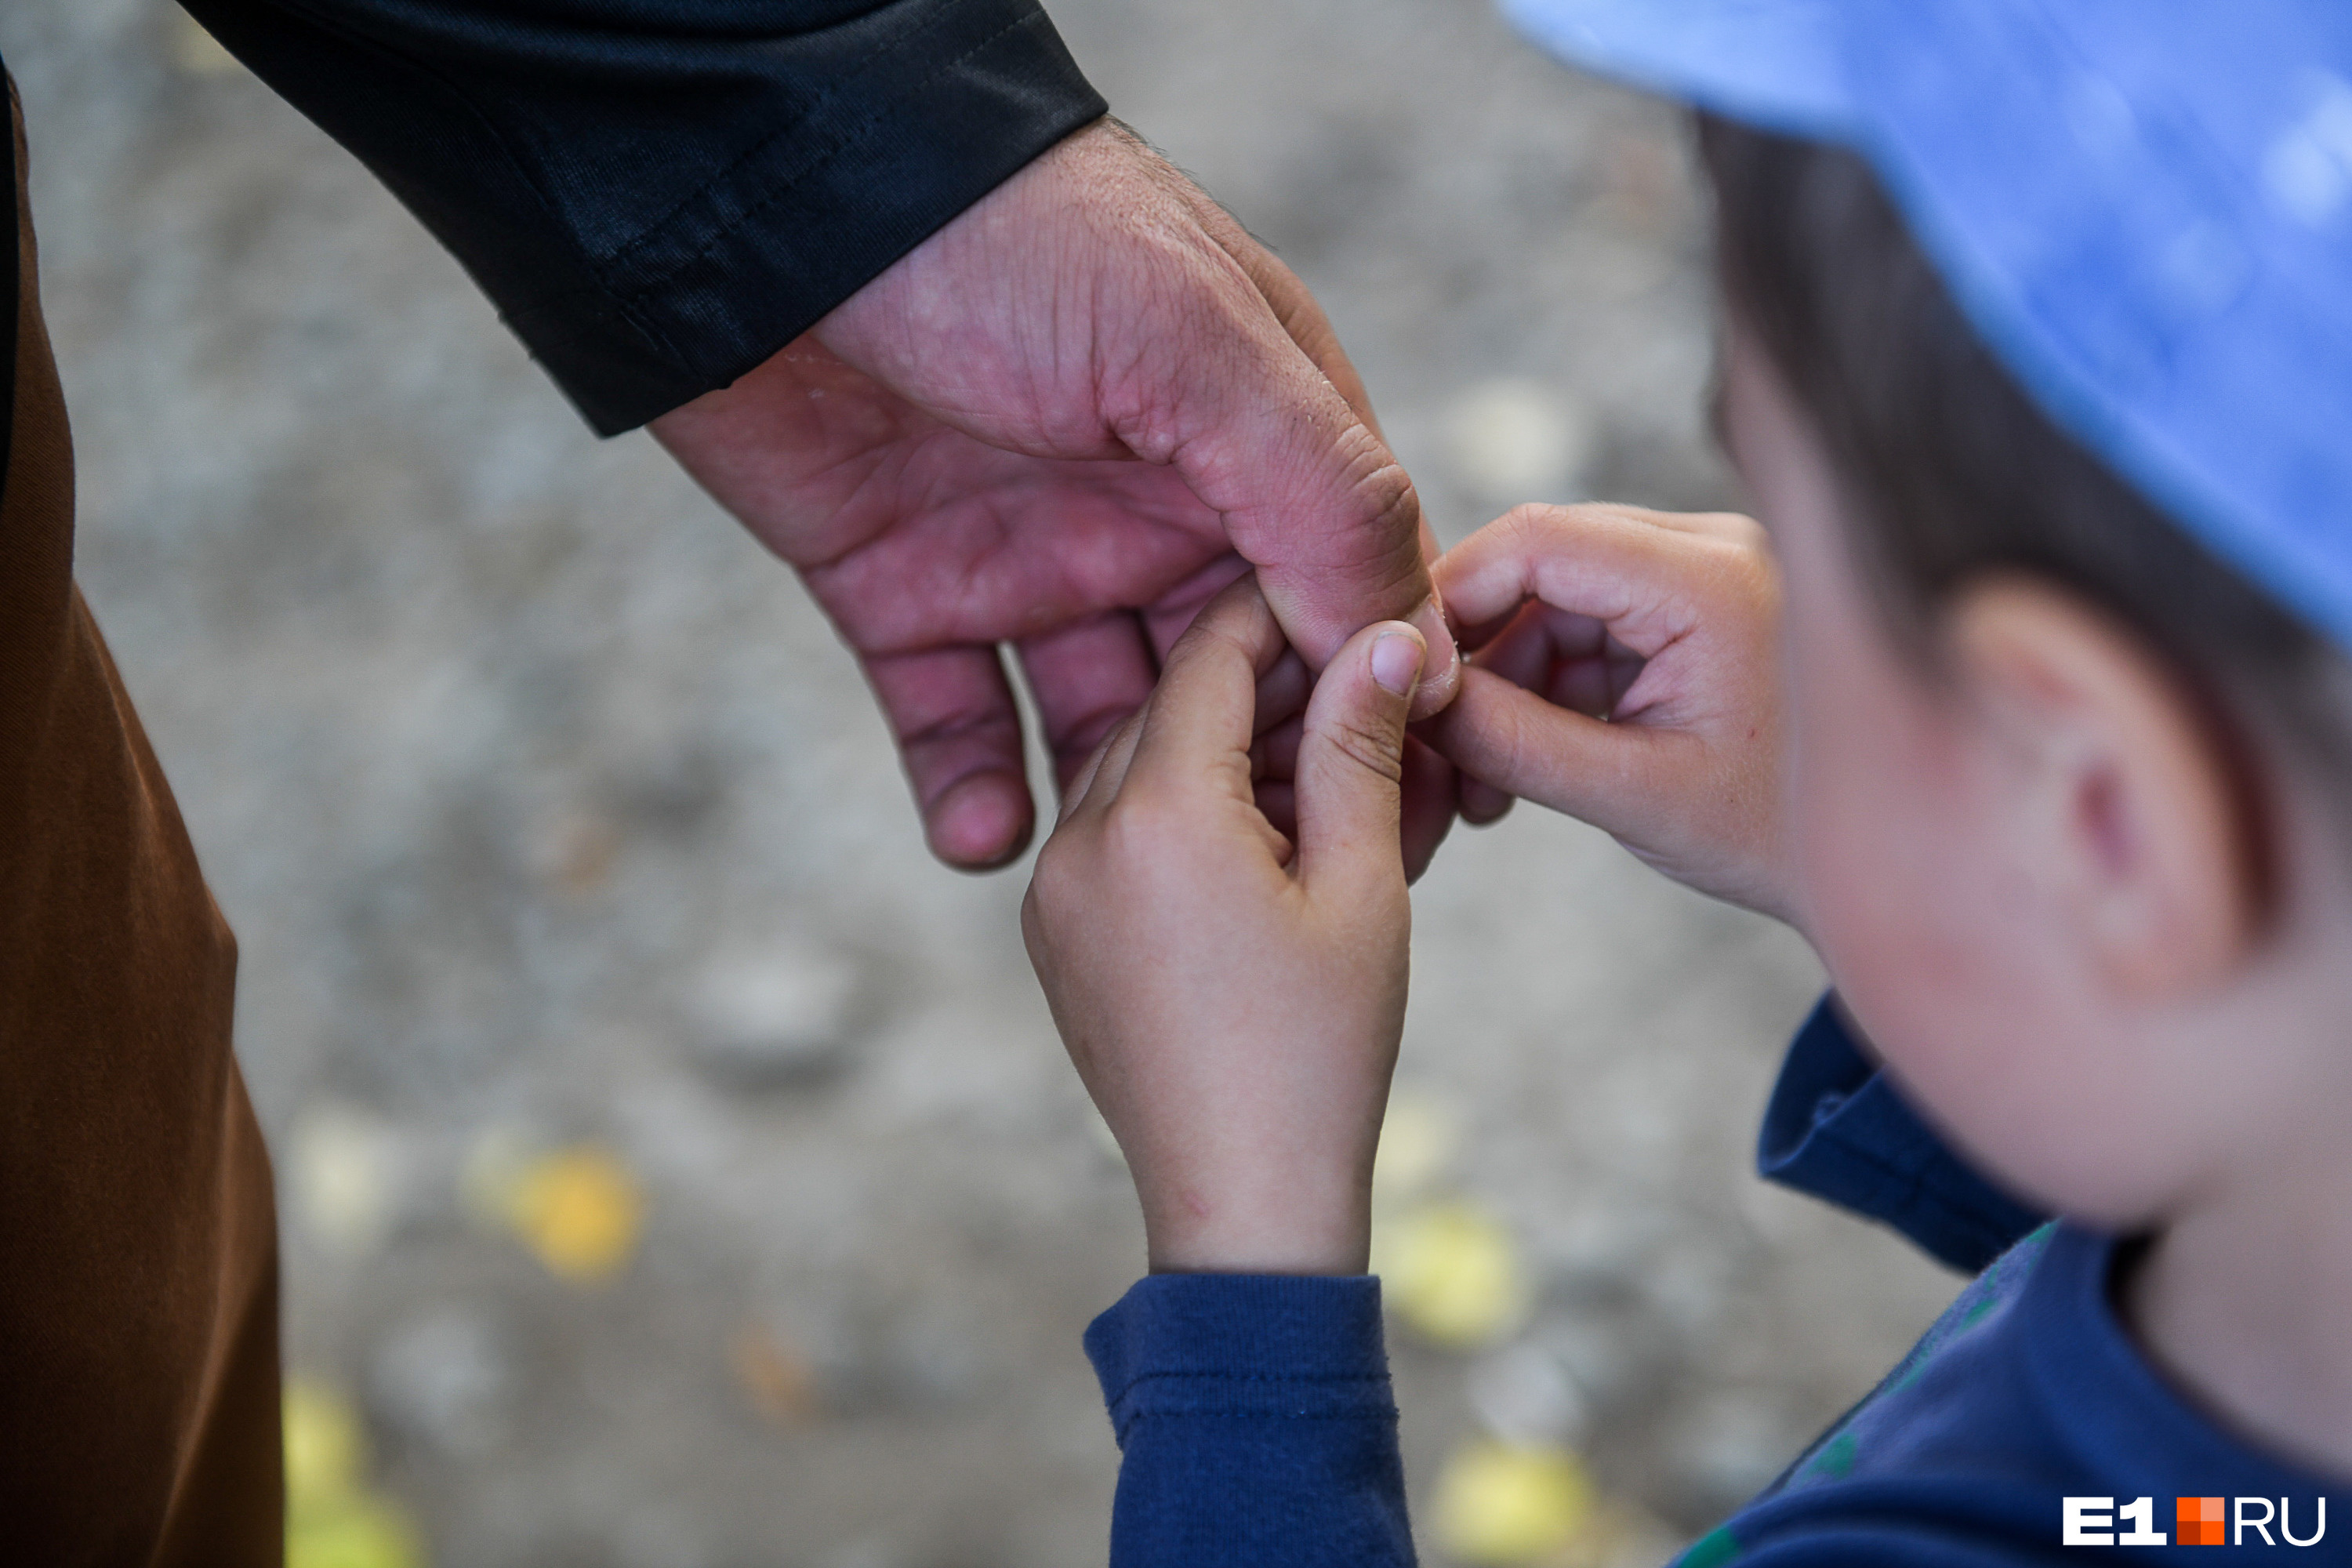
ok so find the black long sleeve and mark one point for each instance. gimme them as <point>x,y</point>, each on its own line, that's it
<point>660,194</point>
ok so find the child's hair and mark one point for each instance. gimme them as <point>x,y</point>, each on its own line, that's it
<point>1950,472</point>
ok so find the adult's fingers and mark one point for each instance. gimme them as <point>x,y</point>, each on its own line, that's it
<point>958,736</point>
<point>1351,763</point>
<point>1086,678</point>
<point>1275,753</point>
<point>1344,542</point>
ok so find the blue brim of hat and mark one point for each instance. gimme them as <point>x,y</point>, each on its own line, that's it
<point>2144,210</point>
<point>1773,63</point>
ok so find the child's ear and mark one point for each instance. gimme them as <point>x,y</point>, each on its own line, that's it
<point>2119,786</point>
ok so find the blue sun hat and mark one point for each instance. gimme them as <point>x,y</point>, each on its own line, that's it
<point>2144,206</point>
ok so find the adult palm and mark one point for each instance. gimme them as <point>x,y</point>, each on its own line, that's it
<point>1064,422</point>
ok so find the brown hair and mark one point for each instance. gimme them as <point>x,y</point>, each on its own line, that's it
<point>1950,472</point>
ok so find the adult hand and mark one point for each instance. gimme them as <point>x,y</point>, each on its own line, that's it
<point>1065,421</point>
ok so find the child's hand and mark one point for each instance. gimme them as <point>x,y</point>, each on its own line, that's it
<point>1234,1003</point>
<point>1664,627</point>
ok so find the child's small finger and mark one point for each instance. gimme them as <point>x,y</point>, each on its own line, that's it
<point>1518,650</point>
<point>1350,768</point>
<point>1621,568</point>
<point>958,734</point>
<point>1202,719</point>
<point>1168,617</point>
<point>1097,782</point>
<point>1731,526</point>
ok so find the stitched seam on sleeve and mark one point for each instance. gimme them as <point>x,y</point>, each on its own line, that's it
<point>832,91</point>
<point>1267,1380</point>
<point>1243,1412</point>
<point>847,139</point>
<point>1125,1424</point>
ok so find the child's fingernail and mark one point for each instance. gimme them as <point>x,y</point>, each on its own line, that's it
<point>1396,660</point>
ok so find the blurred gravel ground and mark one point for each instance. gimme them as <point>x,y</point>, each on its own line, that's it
<point>549,815</point>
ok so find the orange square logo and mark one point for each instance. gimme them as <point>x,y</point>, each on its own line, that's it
<point>2200,1522</point>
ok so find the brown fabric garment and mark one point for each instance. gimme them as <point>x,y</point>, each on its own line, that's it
<point>139,1402</point>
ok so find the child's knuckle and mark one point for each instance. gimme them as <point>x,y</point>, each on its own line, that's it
<point>1534,519</point>
<point>1142,826</point>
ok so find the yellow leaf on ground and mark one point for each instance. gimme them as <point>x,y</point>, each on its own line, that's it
<point>1452,1273</point>
<point>579,1209</point>
<point>332,1520</point>
<point>1499,1504</point>
<point>324,1450</point>
<point>356,1531</point>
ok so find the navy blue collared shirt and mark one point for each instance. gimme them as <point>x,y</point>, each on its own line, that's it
<point>1257,1429</point>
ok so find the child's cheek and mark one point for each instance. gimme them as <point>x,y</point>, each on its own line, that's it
<point>1947,954</point>
<point>1897,891</point>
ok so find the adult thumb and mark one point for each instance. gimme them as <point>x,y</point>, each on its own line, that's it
<point>1351,759</point>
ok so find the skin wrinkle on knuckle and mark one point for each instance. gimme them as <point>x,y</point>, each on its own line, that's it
<point>1224,326</point>
<point>1507,747</point>
<point>1396,513</point>
<point>1526,525</point>
<point>951,728</point>
<point>1375,750</point>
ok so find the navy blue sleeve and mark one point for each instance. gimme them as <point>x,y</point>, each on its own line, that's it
<point>1837,1128</point>
<point>1254,1422</point>
<point>660,194</point>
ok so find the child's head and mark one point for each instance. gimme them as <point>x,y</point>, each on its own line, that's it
<point>2071,796</point>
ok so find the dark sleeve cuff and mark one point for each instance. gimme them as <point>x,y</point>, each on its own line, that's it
<point>659,196</point>
<point>1836,1128</point>
<point>1256,1423</point>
